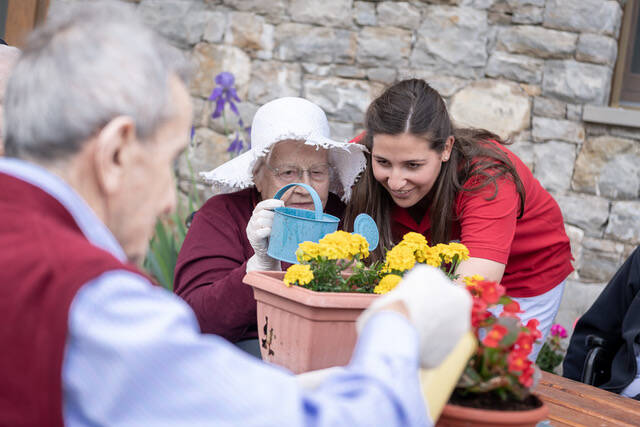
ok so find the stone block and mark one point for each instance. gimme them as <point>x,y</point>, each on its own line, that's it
<point>275,10</point>
<point>588,212</point>
<point>270,80</point>
<point>524,149</point>
<point>597,49</point>
<point>598,266</point>
<point>398,14</point>
<point>528,15</point>
<point>383,46</point>
<point>593,16</point>
<point>521,3</point>
<point>364,13</point>
<point>554,164</point>
<point>215,27</point>
<point>183,22</point>
<point>343,100</point>
<point>549,107</point>
<point>209,150</point>
<point>454,35</point>
<point>537,41</point>
<point>576,236</point>
<point>445,85</point>
<point>519,68</point>
<point>497,105</point>
<point>544,129</point>
<point>623,222</point>
<point>574,112</point>
<point>322,45</point>
<point>330,13</point>
<point>249,32</point>
<point>577,299</point>
<point>610,167</point>
<point>209,60</point>
<point>341,131</point>
<point>383,75</point>
<point>349,71</point>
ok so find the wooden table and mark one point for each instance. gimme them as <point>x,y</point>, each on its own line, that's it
<point>576,404</point>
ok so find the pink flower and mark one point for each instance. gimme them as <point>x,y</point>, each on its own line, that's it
<point>558,331</point>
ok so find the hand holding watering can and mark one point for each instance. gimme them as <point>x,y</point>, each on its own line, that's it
<point>287,227</point>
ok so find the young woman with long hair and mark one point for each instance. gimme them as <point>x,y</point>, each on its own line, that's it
<point>425,175</point>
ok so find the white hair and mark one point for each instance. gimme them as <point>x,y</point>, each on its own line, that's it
<point>87,65</point>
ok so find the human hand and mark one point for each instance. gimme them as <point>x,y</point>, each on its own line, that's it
<point>258,232</point>
<point>439,310</point>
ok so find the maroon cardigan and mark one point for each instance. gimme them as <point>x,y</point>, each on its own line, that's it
<point>44,260</point>
<point>213,261</point>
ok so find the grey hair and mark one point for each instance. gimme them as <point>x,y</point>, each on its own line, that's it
<point>87,65</point>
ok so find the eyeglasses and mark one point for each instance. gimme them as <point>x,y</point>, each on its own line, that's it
<point>292,173</point>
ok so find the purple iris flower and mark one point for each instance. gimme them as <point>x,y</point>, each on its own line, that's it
<point>236,145</point>
<point>224,93</point>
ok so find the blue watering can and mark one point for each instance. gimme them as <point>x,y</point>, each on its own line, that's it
<point>292,226</point>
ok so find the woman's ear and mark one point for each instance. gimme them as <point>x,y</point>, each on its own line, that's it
<point>113,153</point>
<point>448,146</point>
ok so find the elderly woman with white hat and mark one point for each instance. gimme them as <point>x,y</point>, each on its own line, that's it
<point>229,234</point>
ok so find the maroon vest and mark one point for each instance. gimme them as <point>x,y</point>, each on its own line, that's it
<point>44,260</point>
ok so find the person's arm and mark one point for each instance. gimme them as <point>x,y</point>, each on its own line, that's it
<point>487,228</point>
<point>134,356</point>
<point>605,318</point>
<point>209,272</point>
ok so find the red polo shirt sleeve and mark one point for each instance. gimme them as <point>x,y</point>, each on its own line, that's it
<point>488,220</point>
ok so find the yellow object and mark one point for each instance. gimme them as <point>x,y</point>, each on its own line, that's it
<point>438,383</point>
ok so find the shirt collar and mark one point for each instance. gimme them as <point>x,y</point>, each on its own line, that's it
<point>88,222</point>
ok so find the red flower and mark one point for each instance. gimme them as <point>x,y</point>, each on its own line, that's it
<point>511,309</point>
<point>494,336</point>
<point>532,325</point>
<point>518,362</point>
<point>524,343</point>
<point>526,377</point>
<point>490,292</point>
<point>479,312</point>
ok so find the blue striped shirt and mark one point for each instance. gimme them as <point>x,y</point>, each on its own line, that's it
<point>134,356</point>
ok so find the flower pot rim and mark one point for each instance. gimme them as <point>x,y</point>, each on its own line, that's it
<point>271,281</point>
<point>477,414</point>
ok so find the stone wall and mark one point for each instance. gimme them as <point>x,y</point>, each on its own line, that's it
<point>521,68</point>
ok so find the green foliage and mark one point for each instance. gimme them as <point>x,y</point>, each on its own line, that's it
<point>165,245</point>
<point>548,358</point>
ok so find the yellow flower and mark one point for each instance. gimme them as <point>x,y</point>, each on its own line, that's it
<point>400,258</point>
<point>461,250</point>
<point>335,245</point>
<point>358,245</point>
<point>414,238</point>
<point>307,251</point>
<point>300,273</point>
<point>468,280</point>
<point>388,283</point>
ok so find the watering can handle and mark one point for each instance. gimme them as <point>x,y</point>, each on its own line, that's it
<point>316,199</point>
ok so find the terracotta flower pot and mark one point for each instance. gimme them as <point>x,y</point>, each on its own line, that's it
<point>460,416</point>
<point>304,330</point>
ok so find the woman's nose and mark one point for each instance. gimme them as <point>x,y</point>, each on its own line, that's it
<point>396,181</point>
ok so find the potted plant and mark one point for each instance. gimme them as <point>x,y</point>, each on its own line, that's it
<point>494,388</point>
<point>306,316</point>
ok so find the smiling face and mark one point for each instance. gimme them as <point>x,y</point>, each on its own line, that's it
<point>286,158</point>
<point>406,166</point>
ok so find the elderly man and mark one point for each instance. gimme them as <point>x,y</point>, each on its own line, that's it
<point>96,114</point>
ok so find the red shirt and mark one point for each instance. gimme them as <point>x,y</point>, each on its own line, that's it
<point>213,261</point>
<point>534,248</point>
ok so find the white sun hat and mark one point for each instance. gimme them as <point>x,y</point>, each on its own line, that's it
<point>284,119</point>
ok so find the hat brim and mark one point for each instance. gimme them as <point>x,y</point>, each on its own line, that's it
<point>348,160</point>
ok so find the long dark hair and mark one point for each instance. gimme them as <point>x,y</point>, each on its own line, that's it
<point>412,106</point>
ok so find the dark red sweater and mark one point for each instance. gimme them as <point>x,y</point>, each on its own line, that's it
<point>44,260</point>
<point>213,261</point>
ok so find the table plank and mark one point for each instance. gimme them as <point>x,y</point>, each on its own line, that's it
<point>576,404</point>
